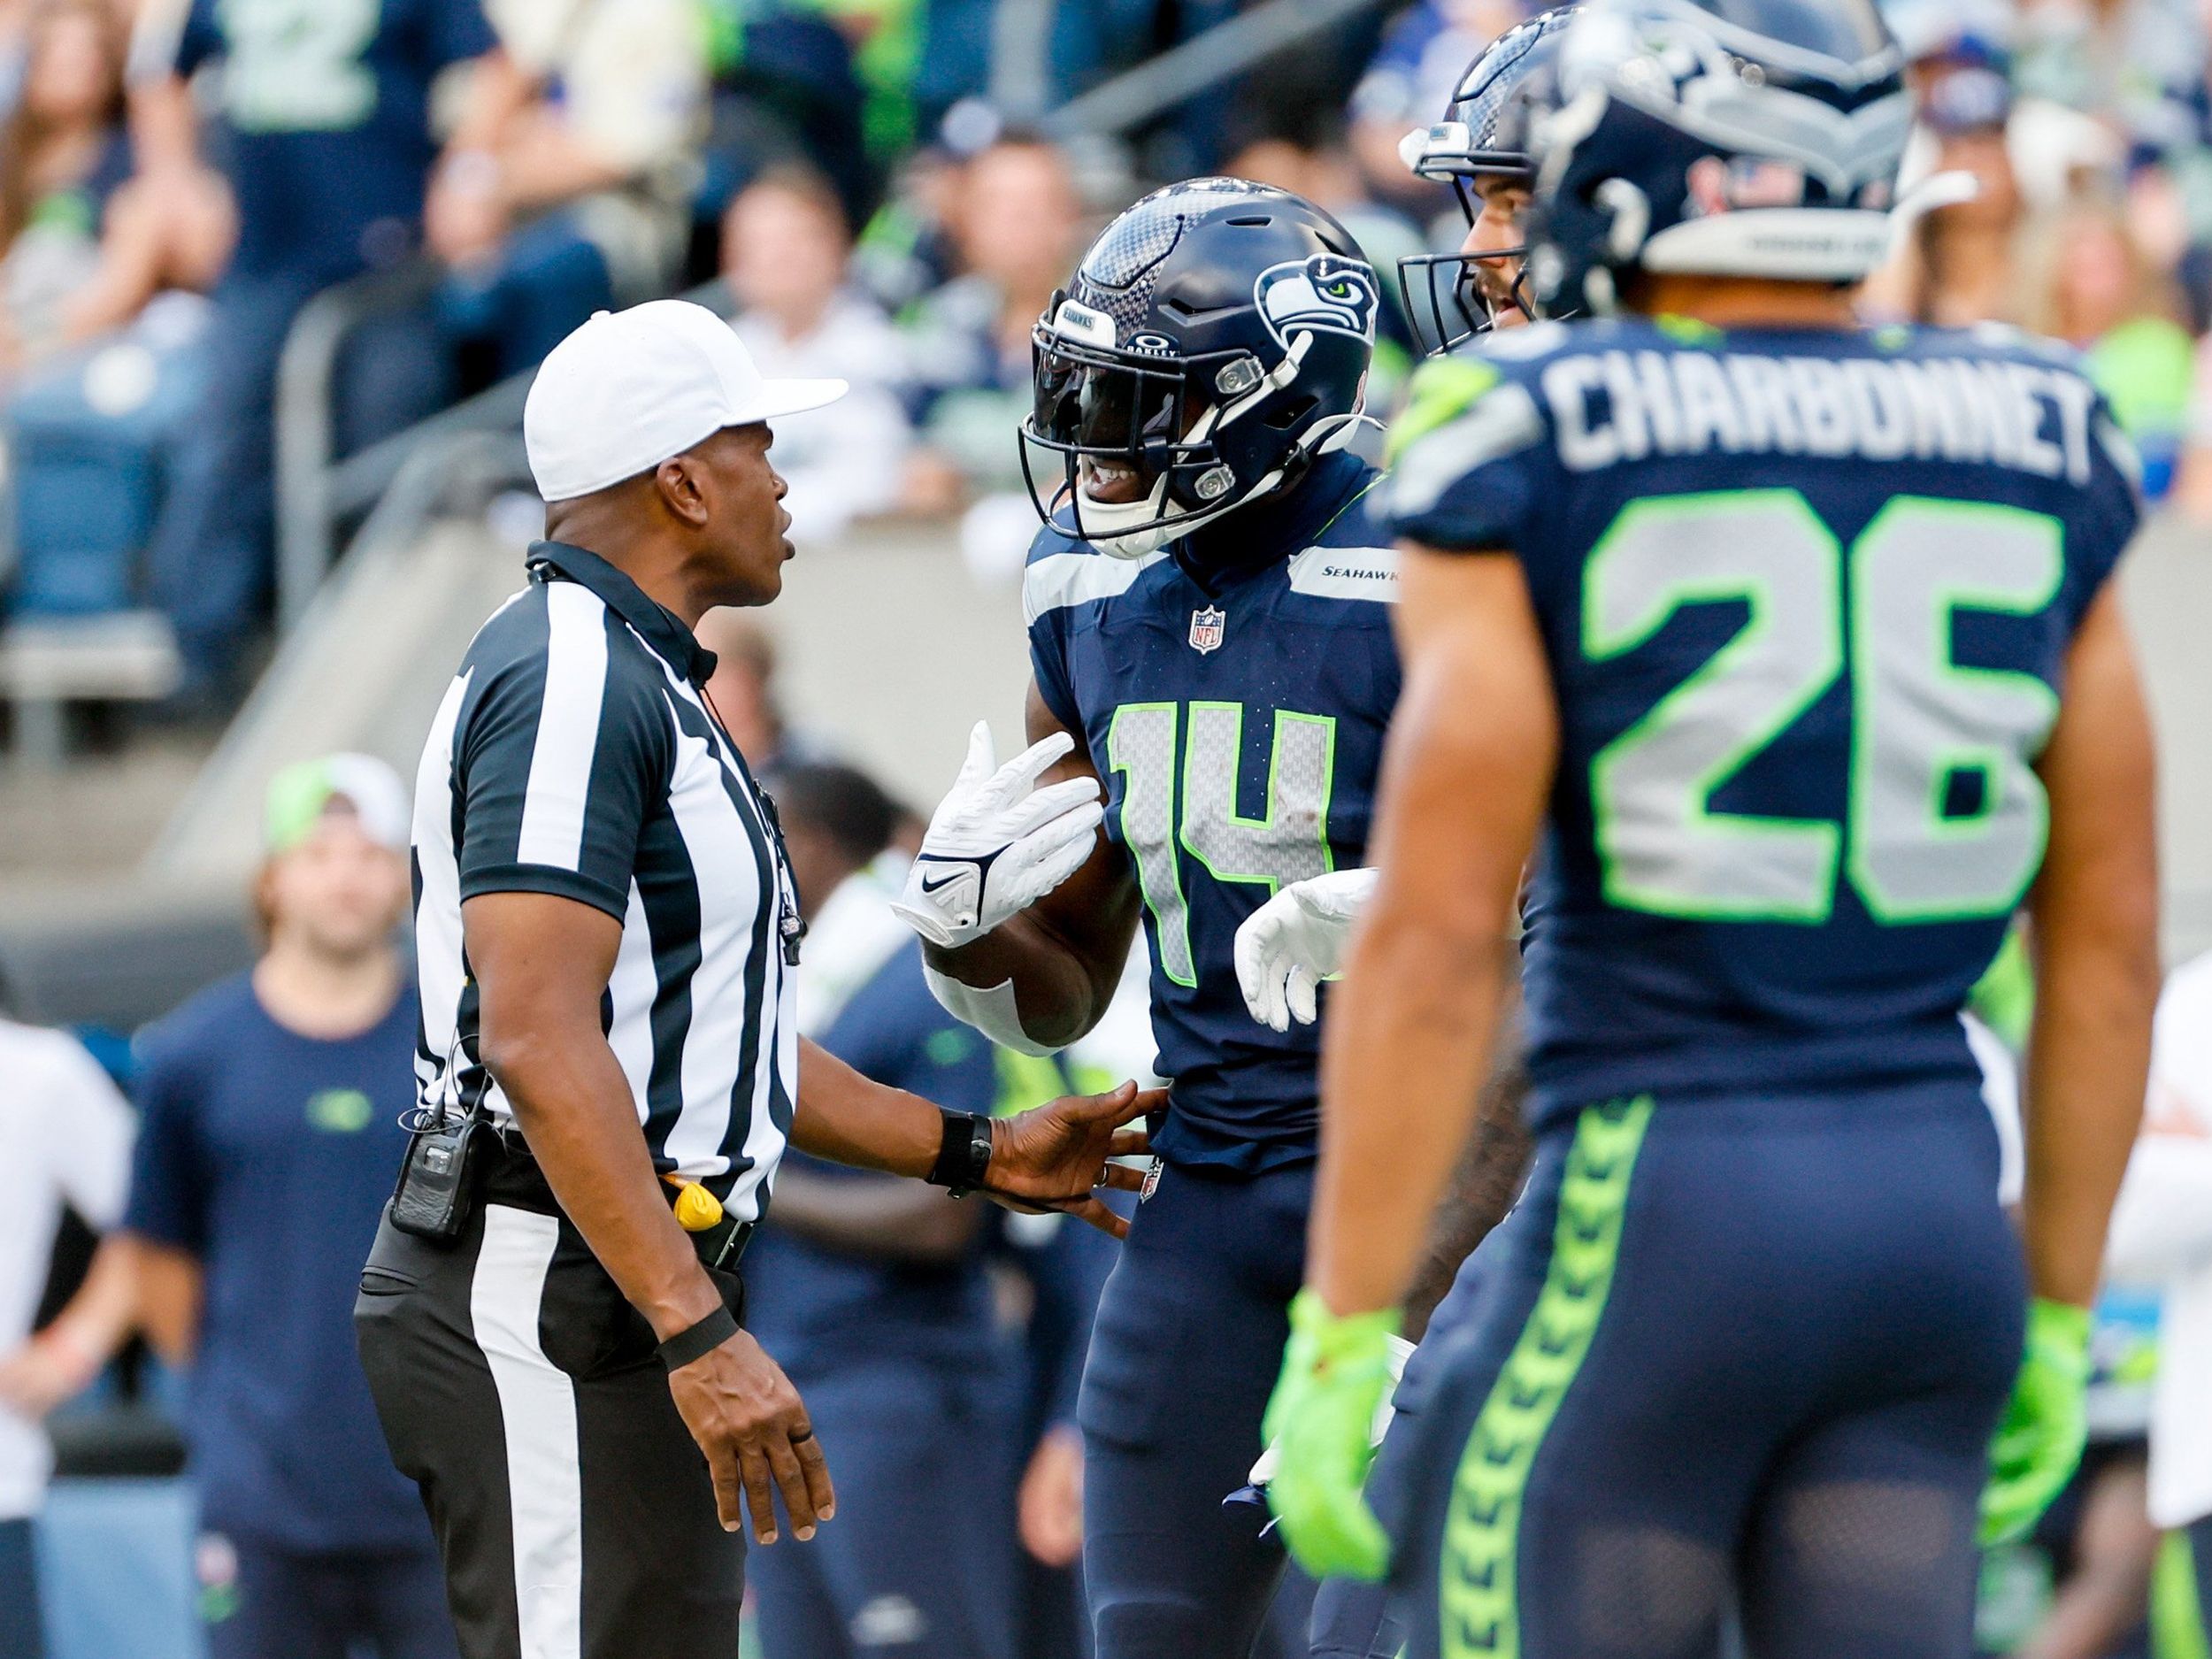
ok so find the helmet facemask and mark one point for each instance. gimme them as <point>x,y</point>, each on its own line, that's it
<point>1447,298</point>
<point>1164,420</point>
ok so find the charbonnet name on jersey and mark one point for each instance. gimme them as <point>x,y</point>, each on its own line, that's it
<point>1611,406</point>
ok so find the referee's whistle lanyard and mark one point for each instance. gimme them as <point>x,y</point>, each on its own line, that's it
<point>790,926</point>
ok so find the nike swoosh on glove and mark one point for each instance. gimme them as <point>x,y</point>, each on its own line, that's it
<point>1295,940</point>
<point>997,842</point>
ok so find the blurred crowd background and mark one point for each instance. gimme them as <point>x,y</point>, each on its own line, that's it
<point>272,275</point>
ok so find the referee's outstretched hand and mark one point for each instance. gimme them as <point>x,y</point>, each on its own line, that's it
<point>1057,1156</point>
<point>752,1425</point>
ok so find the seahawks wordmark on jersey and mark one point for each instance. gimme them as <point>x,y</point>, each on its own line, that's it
<point>1806,598</point>
<point>1238,722</point>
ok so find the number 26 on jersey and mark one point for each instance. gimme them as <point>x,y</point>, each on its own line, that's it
<point>1945,820</point>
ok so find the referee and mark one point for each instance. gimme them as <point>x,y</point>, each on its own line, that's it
<point>608,1069</point>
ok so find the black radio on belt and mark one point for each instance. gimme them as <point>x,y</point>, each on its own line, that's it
<point>436,1192</point>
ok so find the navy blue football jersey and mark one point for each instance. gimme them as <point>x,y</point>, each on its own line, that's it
<point>1238,724</point>
<point>1807,597</point>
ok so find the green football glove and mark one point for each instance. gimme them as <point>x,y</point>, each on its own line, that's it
<point>2046,1421</point>
<point>1320,1422</point>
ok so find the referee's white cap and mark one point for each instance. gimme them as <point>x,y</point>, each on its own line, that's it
<point>630,388</point>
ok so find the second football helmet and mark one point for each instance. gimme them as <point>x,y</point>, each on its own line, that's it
<point>1754,138</point>
<point>1487,133</point>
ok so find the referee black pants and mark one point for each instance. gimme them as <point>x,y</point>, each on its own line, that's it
<point>522,1393</point>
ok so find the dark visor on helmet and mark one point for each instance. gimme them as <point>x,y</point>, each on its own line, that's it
<point>1101,403</point>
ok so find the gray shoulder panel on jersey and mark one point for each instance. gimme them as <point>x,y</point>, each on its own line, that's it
<point>1503,421</point>
<point>1059,580</point>
<point>1347,572</point>
<point>1518,345</point>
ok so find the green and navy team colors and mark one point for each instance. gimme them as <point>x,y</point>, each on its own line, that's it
<point>1238,722</point>
<point>1806,599</point>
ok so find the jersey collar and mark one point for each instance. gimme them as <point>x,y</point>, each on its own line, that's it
<point>654,623</point>
<point>1256,538</point>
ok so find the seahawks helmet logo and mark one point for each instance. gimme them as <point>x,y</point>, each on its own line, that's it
<point>1324,293</point>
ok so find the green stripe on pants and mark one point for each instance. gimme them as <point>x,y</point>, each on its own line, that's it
<point>1481,1610</point>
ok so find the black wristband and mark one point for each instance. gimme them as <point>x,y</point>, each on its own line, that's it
<point>963,1156</point>
<point>700,1340</point>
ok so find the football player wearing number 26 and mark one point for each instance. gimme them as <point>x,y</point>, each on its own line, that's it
<point>1209,610</point>
<point>1794,651</point>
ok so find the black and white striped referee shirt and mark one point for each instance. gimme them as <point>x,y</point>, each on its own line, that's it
<point>573,755</point>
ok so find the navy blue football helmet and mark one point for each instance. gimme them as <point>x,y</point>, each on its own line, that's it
<point>1487,133</point>
<point>1754,138</point>
<point>1215,339</point>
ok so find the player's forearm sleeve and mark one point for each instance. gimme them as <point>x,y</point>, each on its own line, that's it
<point>991,1011</point>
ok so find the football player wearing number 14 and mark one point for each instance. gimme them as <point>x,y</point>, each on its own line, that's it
<point>1796,649</point>
<point>1209,625</point>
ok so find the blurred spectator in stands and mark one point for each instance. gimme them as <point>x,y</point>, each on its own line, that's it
<point>1017,221</point>
<point>324,131</point>
<point>64,1141</point>
<point>272,1109</point>
<point>2088,282</point>
<point>785,92</point>
<point>1958,265</point>
<point>1412,76</point>
<point>906,248</point>
<point>785,254</point>
<point>576,203</point>
<point>745,694</point>
<point>876,1300</point>
<point>82,249</point>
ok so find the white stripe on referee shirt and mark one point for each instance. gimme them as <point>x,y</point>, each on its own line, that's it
<point>568,728</point>
<point>537,1409</point>
<point>722,864</point>
<point>764,1142</point>
<point>631,989</point>
<point>438,914</point>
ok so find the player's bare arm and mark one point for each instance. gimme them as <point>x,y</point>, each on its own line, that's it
<point>1485,1181</point>
<point>1051,1157</point>
<point>1063,954</point>
<point>1465,780</point>
<point>2095,911</point>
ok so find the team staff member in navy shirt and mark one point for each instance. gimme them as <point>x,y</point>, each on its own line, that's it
<point>872,1293</point>
<point>270,1107</point>
<point>324,131</point>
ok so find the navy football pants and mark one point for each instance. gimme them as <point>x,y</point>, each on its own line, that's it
<point>919,1562</point>
<point>1726,1353</point>
<point>1185,1351</point>
<point>1352,1620</point>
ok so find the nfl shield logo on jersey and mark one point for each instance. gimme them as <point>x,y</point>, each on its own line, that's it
<point>1205,629</point>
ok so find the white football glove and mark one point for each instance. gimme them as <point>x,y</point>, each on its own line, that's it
<point>997,843</point>
<point>1295,940</point>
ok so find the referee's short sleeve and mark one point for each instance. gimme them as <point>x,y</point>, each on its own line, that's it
<point>561,760</point>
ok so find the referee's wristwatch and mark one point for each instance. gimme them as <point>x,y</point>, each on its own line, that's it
<point>963,1156</point>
